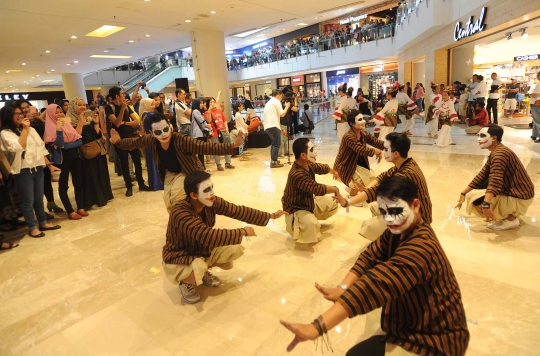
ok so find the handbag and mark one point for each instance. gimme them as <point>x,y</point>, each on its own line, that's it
<point>91,149</point>
<point>311,126</point>
<point>101,143</point>
<point>205,131</point>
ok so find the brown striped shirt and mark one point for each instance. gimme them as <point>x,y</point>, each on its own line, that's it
<point>411,170</point>
<point>190,235</point>
<point>301,187</point>
<point>413,281</point>
<point>351,150</point>
<point>186,149</point>
<point>505,175</point>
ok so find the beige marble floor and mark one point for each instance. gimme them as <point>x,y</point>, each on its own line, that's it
<point>95,287</point>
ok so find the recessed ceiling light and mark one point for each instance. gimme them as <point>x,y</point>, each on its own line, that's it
<point>74,37</point>
<point>68,64</point>
<point>104,31</point>
<point>37,75</point>
<point>131,41</point>
<point>247,33</point>
<point>350,9</point>
<point>33,77</point>
<point>23,64</point>
<point>14,70</point>
<point>75,61</point>
<point>146,0</point>
<point>47,51</point>
<point>52,70</point>
<point>212,12</point>
<point>302,24</point>
<point>147,35</point>
<point>108,56</point>
<point>47,81</point>
<point>188,20</point>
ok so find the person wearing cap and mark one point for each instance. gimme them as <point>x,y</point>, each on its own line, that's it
<point>352,163</point>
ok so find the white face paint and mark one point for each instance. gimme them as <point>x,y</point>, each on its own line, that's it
<point>484,138</point>
<point>397,214</point>
<point>206,193</point>
<point>387,152</point>
<point>311,152</point>
<point>162,131</point>
<point>359,122</point>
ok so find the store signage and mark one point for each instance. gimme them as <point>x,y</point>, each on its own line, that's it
<point>268,82</point>
<point>352,19</point>
<point>9,97</point>
<point>262,44</point>
<point>470,27</point>
<point>528,57</point>
<point>340,72</point>
<point>246,85</point>
<point>348,71</point>
<point>298,80</point>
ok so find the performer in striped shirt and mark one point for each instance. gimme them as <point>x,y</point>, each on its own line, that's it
<point>174,154</point>
<point>298,200</point>
<point>193,245</point>
<point>503,191</point>
<point>352,162</point>
<point>407,273</point>
<point>396,150</point>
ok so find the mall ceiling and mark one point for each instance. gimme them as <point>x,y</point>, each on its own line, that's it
<point>28,29</point>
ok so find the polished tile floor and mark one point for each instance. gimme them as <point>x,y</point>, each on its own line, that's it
<point>96,287</point>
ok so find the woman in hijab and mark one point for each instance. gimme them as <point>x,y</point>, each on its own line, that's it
<point>65,142</point>
<point>198,124</point>
<point>147,107</point>
<point>96,182</point>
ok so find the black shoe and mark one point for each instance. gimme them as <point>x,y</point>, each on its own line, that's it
<point>41,234</point>
<point>49,216</point>
<point>144,188</point>
<point>537,140</point>
<point>533,138</point>
<point>55,227</point>
<point>129,192</point>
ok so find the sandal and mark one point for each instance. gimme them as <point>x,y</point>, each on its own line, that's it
<point>242,158</point>
<point>9,246</point>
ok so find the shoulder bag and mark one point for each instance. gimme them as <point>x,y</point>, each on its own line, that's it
<point>93,148</point>
<point>310,124</point>
<point>205,131</point>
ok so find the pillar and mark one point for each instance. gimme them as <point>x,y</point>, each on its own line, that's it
<point>462,64</point>
<point>74,85</point>
<point>209,67</point>
<point>324,83</point>
<point>418,74</point>
<point>441,70</point>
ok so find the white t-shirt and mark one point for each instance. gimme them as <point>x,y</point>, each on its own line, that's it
<point>495,86</point>
<point>481,89</point>
<point>272,113</point>
<point>472,90</point>
<point>240,123</point>
<point>180,110</point>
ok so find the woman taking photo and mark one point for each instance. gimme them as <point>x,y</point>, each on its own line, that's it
<point>146,107</point>
<point>64,142</point>
<point>198,124</point>
<point>26,154</point>
<point>95,172</point>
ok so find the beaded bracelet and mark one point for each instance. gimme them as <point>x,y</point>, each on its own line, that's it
<point>320,326</point>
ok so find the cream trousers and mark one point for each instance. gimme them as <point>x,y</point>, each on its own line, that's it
<point>173,189</point>
<point>304,226</point>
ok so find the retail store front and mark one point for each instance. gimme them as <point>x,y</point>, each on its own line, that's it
<point>38,99</point>
<point>379,78</point>
<point>335,78</point>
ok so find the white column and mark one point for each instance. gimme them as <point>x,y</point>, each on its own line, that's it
<point>462,64</point>
<point>74,85</point>
<point>209,65</point>
<point>324,84</point>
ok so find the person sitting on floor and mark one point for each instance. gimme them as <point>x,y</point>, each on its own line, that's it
<point>193,246</point>
<point>298,200</point>
<point>407,273</point>
<point>479,119</point>
<point>509,191</point>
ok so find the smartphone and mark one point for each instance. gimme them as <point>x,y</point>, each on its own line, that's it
<point>88,115</point>
<point>143,85</point>
<point>32,110</point>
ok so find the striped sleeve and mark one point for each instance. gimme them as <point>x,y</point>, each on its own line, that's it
<point>129,144</point>
<point>370,192</point>
<point>374,141</point>
<point>357,146</point>
<point>242,213</point>
<point>303,181</point>
<point>479,182</point>
<point>386,281</point>
<point>319,168</point>
<point>189,144</point>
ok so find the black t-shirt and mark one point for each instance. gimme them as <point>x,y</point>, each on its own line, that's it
<point>168,159</point>
<point>124,131</point>
<point>510,95</point>
<point>362,162</point>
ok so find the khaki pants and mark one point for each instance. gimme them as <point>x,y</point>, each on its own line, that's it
<point>173,189</point>
<point>362,176</point>
<point>501,205</point>
<point>395,350</point>
<point>304,226</point>
<point>373,228</point>
<point>219,256</point>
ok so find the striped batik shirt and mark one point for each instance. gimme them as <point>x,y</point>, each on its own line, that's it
<point>186,149</point>
<point>505,175</point>
<point>411,278</point>
<point>351,150</point>
<point>190,235</point>
<point>301,187</point>
<point>411,170</point>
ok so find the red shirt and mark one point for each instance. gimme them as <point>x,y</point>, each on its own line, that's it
<point>219,121</point>
<point>482,117</point>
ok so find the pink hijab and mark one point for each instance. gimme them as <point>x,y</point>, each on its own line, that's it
<point>70,134</point>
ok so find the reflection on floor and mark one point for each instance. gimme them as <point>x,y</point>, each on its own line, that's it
<point>96,286</point>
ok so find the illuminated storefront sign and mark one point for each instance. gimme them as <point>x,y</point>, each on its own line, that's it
<point>528,57</point>
<point>470,27</point>
<point>298,80</point>
<point>352,19</point>
<point>9,97</point>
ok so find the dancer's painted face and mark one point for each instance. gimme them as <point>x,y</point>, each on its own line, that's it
<point>311,152</point>
<point>206,193</point>
<point>162,131</point>
<point>484,138</point>
<point>387,152</point>
<point>359,122</point>
<point>397,214</point>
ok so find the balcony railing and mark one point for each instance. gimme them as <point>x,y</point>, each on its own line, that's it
<point>405,8</point>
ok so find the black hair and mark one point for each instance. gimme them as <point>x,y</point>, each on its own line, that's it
<point>42,110</point>
<point>399,142</point>
<point>114,92</point>
<point>188,95</point>
<point>351,116</point>
<point>236,107</point>
<point>152,95</point>
<point>393,93</point>
<point>350,91</point>
<point>398,187</point>
<point>248,105</point>
<point>493,130</point>
<point>481,77</point>
<point>192,181</point>
<point>128,97</point>
<point>482,105</point>
<point>157,117</point>
<point>401,87</point>
<point>300,146</point>
<point>178,91</point>
<point>20,102</point>
<point>306,106</point>
<point>7,114</point>
<point>408,83</point>
<point>342,88</point>
<point>434,87</point>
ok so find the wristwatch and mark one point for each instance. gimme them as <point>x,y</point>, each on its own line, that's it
<point>343,286</point>
<point>486,205</point>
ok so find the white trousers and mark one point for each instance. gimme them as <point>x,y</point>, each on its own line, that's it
<point>385,130</point>
<point>342,128</point>
<point>407,125</point>
<point>444,136</point>
<point>433,127</point>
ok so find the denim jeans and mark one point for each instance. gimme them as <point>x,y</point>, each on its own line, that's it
<point>420,104</point>
<point>283,147</point>
<point>217,158</point>
<point>30,188</point>
<point>275,136</point>
<point>535,113</point>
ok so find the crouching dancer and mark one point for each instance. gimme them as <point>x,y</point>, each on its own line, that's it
<point>298,198</point>
<point>193,245</point>
<point>406,272</point>
<point>502,191</point>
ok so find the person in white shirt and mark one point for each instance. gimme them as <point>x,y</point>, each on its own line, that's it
<point>26,153</point>
<point>272,113</point>
<point>471,89</point>
<point>535,110</point>
<point>480,91</point>
<point>493,99</point>
<point>183,113</point>
<point>240,126</point>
